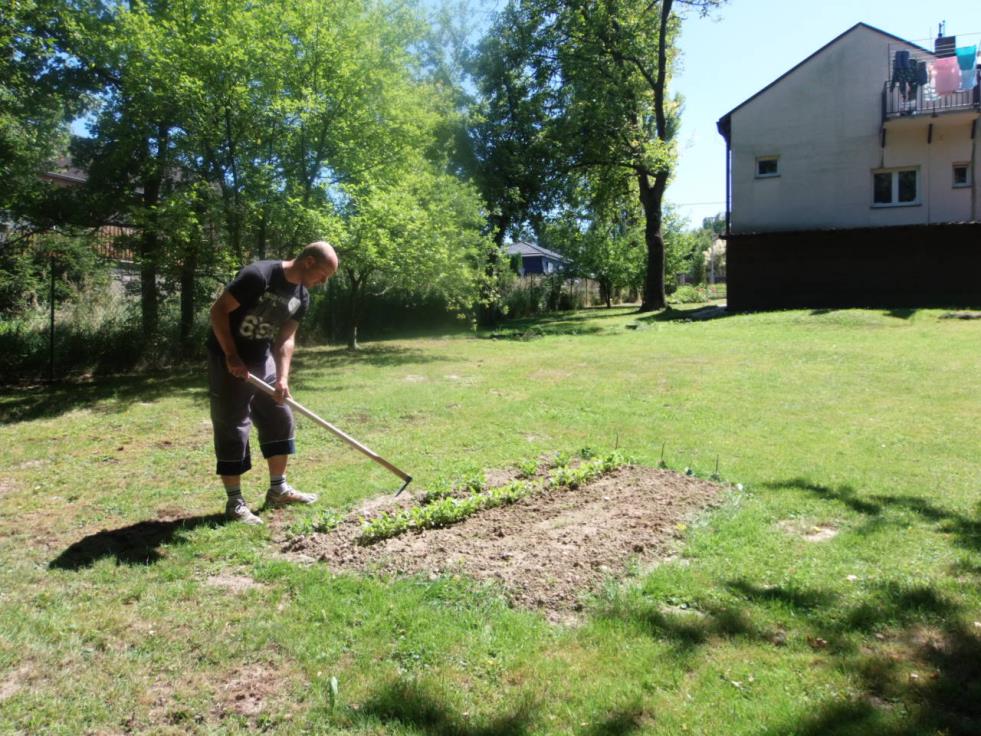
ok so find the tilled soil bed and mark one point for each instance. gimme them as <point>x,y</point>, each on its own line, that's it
<point>546,551</point>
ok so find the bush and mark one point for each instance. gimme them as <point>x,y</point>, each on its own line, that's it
<point>688,294</point>
<point>530,297</point>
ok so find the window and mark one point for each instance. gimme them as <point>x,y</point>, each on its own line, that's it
<point>766,166</point>
<point>895,187</point>
<point>962,175</point>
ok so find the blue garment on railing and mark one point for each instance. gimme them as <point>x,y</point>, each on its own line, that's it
<point>969,78</point>
<point>966,56</point>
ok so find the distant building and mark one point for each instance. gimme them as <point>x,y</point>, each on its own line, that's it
<point>536,260</point>
<point>852,180</point>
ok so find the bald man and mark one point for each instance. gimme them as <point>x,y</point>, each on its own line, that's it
<point>253,324</point>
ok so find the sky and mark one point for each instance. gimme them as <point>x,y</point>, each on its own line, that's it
<point>747,44</point>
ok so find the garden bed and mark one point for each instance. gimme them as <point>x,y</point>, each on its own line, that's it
<point>547,550</point>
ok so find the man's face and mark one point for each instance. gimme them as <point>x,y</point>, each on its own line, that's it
<point>317,273</point>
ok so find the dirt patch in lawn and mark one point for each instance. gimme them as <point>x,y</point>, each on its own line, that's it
<point>546,551</point>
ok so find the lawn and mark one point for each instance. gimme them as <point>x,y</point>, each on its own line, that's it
<point>835,591</point>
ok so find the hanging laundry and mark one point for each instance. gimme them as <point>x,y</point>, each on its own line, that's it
<point>966,56</point>
<point>969,79</point>
<point>946,75</point>
<point>900,67</point>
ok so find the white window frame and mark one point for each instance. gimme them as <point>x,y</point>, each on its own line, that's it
<point>759,159</point>
<point>967,168</point>
<point>895,172</point>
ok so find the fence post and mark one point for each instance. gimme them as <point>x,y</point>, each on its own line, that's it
<point>51,330</point>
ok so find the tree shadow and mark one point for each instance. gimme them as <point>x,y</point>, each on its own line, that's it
<point>698,314</point>
<point>407,705</point>
<point>377,355</point>
<point>850,718</point>
<point>619,723</point>
<point>902,312</point>
<point>965,529</point>
<point>844,494</point>
<point>21,404</point>
<point>686,629</point>
<point>796,599</point>
<point>136,544</point>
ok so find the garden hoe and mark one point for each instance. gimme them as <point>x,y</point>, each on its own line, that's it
<point>267,389</point>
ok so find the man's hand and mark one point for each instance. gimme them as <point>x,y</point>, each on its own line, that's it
<point>282,391</point>
<point>236,366</point>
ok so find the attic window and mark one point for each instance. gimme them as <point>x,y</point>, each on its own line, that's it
<point>767,166</point>
<point>962,175</point>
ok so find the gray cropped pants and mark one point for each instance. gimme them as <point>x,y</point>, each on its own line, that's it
<point>235,406</point>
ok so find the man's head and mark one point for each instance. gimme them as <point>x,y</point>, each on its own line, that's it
<point>317,262</point>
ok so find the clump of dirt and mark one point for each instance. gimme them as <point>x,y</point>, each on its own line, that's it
<point>546,551</point>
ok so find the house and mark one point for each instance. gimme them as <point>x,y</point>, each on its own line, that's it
<point>535,259</point>
<point>852,180</point>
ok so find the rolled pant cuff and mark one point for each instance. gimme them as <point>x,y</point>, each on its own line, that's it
<point>282,447</point>
<point>234,467</point>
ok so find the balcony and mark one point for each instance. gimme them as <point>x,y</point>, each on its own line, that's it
<point>923,102</point>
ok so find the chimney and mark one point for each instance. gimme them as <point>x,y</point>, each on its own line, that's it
<point>944,46</point>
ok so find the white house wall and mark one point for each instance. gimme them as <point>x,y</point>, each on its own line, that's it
<point>823,120</point>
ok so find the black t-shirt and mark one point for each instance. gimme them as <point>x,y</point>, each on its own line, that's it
<point>266,300</point>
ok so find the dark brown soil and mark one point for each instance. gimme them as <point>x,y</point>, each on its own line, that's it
<point>546,551</point>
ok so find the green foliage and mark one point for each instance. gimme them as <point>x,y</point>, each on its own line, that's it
<point>688,294</point>
<point>320,522</point>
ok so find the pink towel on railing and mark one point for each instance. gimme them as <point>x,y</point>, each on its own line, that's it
<point>946,76</point>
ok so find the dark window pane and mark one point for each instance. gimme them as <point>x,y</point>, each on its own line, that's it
<point>766,167</point>
<point>907,186</point>
<point>960,175</point>
<point>882,185</point>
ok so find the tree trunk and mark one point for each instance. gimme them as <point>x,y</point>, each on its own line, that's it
<point>188,267</point>
<point>149,249</point>
<point>354,302</point>
<point>651,198</point>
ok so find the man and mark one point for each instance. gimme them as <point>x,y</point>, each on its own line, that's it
<point>253,324</point>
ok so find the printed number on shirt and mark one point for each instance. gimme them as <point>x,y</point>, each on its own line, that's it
<point>255,329</point>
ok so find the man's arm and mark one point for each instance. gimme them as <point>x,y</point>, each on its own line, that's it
<point>283,355</point>
<point>223,306</point>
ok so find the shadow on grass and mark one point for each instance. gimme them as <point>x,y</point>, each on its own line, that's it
<point>619,723</point>
<point>41,402</point>
<point>686,629</point>
<point>408,705</point>
<point>965,529</point>
<point>136,544</point>
<point>698,314</point>
<point>844,494</point>
<point>377,355</point>
<point>20,404</point>
<point>795,599</point>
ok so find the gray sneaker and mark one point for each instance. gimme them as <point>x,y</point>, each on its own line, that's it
<point>237,510</point>
<point>287,496</point>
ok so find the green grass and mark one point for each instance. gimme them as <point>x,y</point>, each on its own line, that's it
<point>863,421</point>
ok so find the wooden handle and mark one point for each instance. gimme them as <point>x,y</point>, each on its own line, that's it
<point>267,389</point>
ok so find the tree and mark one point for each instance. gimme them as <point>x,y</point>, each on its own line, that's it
<point>601,70</point>
<point>601,230</point>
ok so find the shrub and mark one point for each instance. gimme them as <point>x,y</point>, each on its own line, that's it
<point>688,294</point>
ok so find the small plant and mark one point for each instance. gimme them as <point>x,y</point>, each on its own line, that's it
<point>440,489</point>
<point>587,453</point>
<point>319,523</point>
<point>449,510</point>
<point>528,468</point>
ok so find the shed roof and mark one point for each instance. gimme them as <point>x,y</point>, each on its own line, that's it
<point>531,249</point>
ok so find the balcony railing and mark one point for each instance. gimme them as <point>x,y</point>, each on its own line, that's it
<point>922,101</point>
